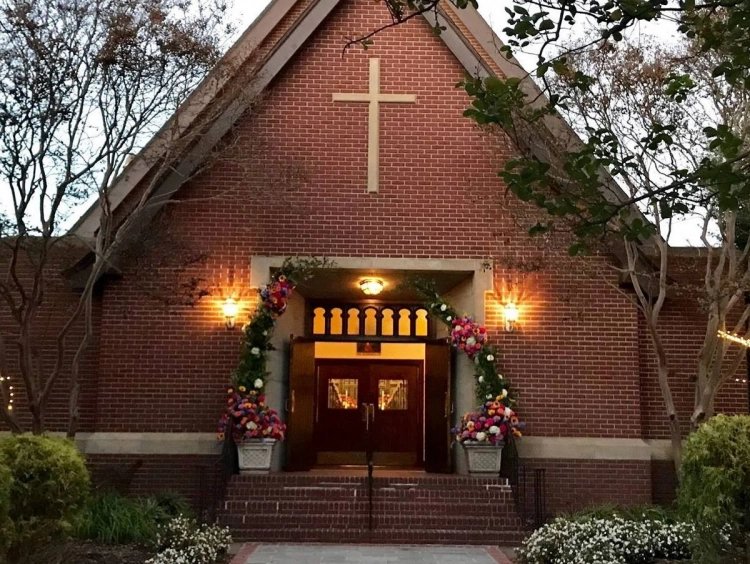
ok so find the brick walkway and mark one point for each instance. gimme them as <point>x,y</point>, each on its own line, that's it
<point>367,554</point>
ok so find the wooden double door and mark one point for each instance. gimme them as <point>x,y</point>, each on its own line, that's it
<point>363,405</point>
<point>400,409</point>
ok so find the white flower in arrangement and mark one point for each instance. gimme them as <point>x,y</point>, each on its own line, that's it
<point>258,384</point>
<point>504,394</point>
<point>481,436</point>
<point>252,425</point>
<point>265,333</point>
<point>490,358</point>
<point>449,318</point>
<point>480,379</point>
<point>471,341</point>
<point>443,307</point>
<point>507,412</point>
<point>494,430</point>
<point>255,351</point>
<point>489,396</point>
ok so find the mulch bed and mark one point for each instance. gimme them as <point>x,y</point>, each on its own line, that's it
<point>87,552</point>
<point>84,552</point>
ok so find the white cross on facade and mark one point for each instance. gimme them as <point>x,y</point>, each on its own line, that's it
<point>374,98</point>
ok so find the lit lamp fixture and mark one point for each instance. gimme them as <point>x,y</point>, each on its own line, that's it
<point>231,309</point>
<point>511,316</point>
<point>371,286</point>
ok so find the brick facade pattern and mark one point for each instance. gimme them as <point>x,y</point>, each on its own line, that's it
<point>292,182</point>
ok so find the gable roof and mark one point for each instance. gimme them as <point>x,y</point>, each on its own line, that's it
<point>556,136</point>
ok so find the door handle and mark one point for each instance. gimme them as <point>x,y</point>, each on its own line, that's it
<point>368,414</point>
<point>291,409</point>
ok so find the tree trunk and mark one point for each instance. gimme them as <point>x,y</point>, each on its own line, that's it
<point>702,409</point>
<point>675,433</point>
<point>37,421</point>
<point>10,421</point>
<point>86,306</point>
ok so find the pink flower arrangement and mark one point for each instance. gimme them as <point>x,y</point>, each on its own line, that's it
<point>276,295</point>
<point>468,336</point>
<point>490,424</point>
<point>248,417</point>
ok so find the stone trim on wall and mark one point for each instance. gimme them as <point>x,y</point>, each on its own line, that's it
<point>559,448</point>
<point>260,270</point>
<point>592,448</point>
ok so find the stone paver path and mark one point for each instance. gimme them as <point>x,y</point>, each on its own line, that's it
<point>359,554</point>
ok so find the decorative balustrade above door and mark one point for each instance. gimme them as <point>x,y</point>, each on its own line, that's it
<point>369,322</point>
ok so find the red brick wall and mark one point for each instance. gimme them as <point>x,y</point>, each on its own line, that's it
<point>58,304</point>
<point>574,357</point>
<point>293,182</point>
<point>682,328</point>
<point>302,191</point>
<point>572,485</point>
<point>145,475</point>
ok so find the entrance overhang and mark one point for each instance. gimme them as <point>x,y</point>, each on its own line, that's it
<point>341,282</point>
<point>465,283</point>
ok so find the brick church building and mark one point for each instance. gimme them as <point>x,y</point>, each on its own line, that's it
<point>364,157</point>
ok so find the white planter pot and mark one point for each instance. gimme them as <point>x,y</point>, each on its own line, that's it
<point>255,456</point>
<point>483,458</point>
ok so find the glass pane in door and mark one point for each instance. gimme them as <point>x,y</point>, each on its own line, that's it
<point>393,395</point>
<point>343,393</point>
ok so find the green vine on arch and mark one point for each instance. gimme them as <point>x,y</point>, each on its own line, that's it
<point>251,373</point>
<point>471,338</point>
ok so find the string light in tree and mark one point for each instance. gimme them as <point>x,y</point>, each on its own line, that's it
<point>10,391</point>
<point>734,338</point>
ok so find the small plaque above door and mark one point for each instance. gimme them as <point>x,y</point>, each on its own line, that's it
<point>368,347</point>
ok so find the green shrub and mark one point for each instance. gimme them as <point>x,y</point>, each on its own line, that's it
<point>49,490</point>
<point>628,512</point>
<point>611,540</point>
<point>173,504</point>
<point>715,487</point>
<point>6,525</point>
<point>113,519</point>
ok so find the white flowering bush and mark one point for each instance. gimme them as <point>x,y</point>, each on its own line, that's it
<point>182,541</point>
<point>613,540</point>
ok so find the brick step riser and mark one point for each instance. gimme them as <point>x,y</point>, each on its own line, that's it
<point>253,489</point>
<point>497,491</point>
<point>363,485</point>
<point>453,484</point>
<point>384,536</point>
<point>323,507</point>
<point>397,499</point>
<point>430,510</point>
<point>467,523</point>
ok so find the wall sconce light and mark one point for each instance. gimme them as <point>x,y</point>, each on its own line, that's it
<point>511,316</point>
<point>371,286</point>
<point>231,309</point>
